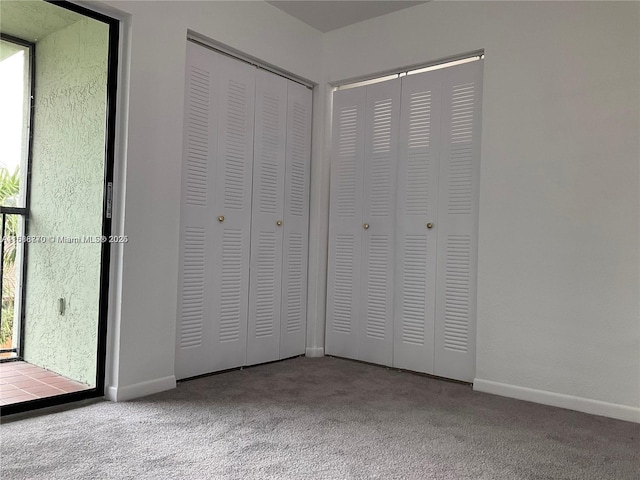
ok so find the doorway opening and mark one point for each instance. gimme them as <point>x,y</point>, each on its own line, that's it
<point>58,71</point>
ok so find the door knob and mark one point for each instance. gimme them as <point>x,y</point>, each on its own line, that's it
<point>279,223</point>
<point>365,226</point>
<point>221,218</point>
<point>429,225</point>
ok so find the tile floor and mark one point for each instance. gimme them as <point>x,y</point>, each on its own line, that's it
<point>21,381</point>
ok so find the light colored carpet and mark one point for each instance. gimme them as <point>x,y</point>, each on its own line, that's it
<point>322,418</point>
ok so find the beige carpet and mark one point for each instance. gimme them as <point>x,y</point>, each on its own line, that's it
<point>319,419</point>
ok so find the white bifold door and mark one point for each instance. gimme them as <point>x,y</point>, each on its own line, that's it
<point>403,222</point>
<point>244,216</point>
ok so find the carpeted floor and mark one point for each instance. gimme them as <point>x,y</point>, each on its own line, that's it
<point>322,418</point>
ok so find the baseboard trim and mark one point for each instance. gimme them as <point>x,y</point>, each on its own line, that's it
<point>314,352</point>
<point>142,389</point>
<point>580,404</point>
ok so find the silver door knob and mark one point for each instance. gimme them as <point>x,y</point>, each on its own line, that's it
<point>429,225</point>
<point>279,223</point>
<point>221,218</point>
<point>365,226</point>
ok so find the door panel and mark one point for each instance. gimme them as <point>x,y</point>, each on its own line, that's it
<point>194,339</point>
<point>417,206</point>
<point>458,217</point>
<point>345,226</point>
<point>375,329</point>
<point>296,221</point>
<point>263,344</point>
<point>232,235</point>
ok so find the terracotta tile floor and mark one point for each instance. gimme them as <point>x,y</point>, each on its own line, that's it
<point>21,381</point>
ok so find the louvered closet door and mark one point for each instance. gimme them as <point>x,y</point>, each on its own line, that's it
<point>345,225</point>
<point>263,344</point>
<point>231,238</point>
<point>458,214</point>
<point>296,221</point>
<point>194,336</point>
<point>418,166</point>
<point>375,328</point>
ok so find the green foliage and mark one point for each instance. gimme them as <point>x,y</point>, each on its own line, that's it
<point>9,187</point>
<point>9,190</point>
<point>6,329</point>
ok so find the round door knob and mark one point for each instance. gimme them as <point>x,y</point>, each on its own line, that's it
<point>429,225</point>
<point>365,226</point>
<point>279,223</point>
<point>221,218</point>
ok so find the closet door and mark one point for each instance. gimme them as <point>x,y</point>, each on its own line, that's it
<point>345,224</point>
<point>418,170</point>
<point>296,221</point>
<point>458,221</point>
<point>375,327</point>
<point>194,336</point>
<point>263,344</point>
<point>232,212</point>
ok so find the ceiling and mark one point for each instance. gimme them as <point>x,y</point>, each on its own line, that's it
<point>32,21</point>
<point>332,14</point>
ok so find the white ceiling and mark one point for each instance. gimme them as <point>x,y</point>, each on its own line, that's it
<point>32,21</point>
<point>331,14</point>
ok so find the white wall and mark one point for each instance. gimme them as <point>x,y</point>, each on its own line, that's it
<point>559,217</point>
<point>144,328</point>
<point>558,281</point>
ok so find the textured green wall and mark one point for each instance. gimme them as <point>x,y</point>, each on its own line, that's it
<point>66,199</point>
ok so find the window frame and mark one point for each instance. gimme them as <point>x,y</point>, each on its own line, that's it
<point>23,211</point>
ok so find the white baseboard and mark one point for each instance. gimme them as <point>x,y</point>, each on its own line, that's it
<point>314,352</point>
<point>580,404</point>
<point>142,389</point>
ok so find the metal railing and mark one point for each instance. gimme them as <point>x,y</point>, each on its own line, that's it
<point>12,270</point>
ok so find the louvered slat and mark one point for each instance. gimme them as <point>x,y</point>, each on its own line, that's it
<point>296,283</point>
<point>236,141</point>
<point>193,284</point>
<point>197,135</point>
<point>456,309</point>
<point>266,280</point>
<point>231,298</point>
<point>418,160</point>
<point>461,153</point>
<point>343,284</point>
<point>346,165</point>
<point>414,289</point>
<point>380,162</point>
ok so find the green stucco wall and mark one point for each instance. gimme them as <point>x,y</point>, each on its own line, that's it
<point>66,200</point>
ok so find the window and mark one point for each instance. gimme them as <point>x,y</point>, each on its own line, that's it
<point>438,64</point>
<point>16,85</point>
